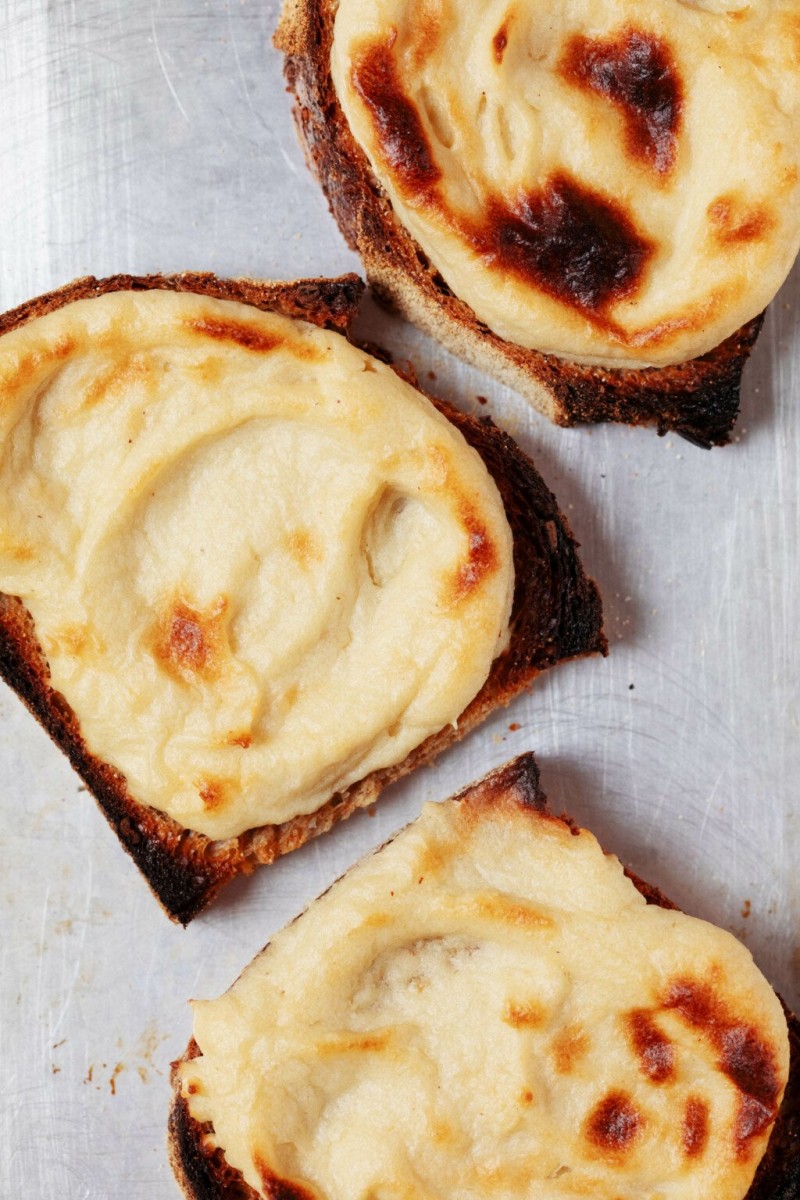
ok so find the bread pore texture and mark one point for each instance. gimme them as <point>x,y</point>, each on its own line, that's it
<point>488,1001</point>
<point>259,566</point>
<point>595,202</point>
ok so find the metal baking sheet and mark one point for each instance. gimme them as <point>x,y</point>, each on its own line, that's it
<point>154,135</point>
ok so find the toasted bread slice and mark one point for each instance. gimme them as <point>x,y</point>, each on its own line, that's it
<point>697,398</point>
<point>517,598</point>
<point>495,1003</point>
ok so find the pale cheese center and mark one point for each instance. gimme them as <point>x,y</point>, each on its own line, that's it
<point>488,1008</point>
<point>259,564</point>
<point>605,181</point>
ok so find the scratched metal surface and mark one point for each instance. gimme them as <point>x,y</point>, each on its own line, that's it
<point>145,135</point>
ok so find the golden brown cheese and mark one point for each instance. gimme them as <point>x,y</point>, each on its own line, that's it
<point>606,181</point>
<point>260,565</point>
<point>489,1006</point>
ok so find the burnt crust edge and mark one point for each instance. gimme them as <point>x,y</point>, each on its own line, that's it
<point>698,399</point>
<point>200,1168</point>
<point>556,615</point>
<point>328,302</point>
<point>203,1173</point>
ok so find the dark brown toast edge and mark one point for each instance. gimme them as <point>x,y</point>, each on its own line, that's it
<point>698,399</point>
<point>203,1174</point>
<point>332,303</point>
<point>556,615</point>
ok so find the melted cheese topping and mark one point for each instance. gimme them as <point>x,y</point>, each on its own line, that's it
<point>607,181</point>
<point>259,564</point>
<point>488,1008</point>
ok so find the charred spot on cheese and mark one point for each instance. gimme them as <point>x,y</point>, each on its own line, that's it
<point>210,369</point>
<point>733,221</point>
<point>495,906</point>
<point>436,855</point>
<point>529,1015</point>
<point>445,1134</point>
<point>213,792</point>
<point>402,139</point>
<point>100,385</point>
<point>189,642</point>
<point>694,1130</point>
<point>481,559</point>
<point>113,381</point>
<point>427,31</point>
<point>582,248</point>
<point>569,1047</point>
<point>243,740</point>
<point>16,550</point>
<point>439,464</point>
<point>30,364</point>
<point>636,72</point>
<point>579,246</point>
<point>744,1056</point>
<point>753,1119</point>
<point>614,1125</point>
<point>259,341</point>
<point>72,637</point>
<point>275,1188</point>
<point>377,920</point>
<point>356,1043</point>
<point>61,349</point>
<point>500,42</point>
<point>304,546</point>
<point>654,1049</point>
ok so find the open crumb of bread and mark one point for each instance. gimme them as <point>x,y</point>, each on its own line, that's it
<point>249,575</point>
<point>491,1005</point>
<point>595,204</point>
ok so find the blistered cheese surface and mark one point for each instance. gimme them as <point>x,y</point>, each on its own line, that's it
<point>488,1008</point>
<point>604,180</point>
<point>259,564</point>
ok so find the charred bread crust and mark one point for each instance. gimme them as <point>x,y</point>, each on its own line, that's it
<point>698,399</point>
<point>200,1168</point>
<point>556,615</point>
<point>203,1173</point>
<point>327,302</point>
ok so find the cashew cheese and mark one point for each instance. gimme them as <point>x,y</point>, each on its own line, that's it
<point>260,565</point>
<point>606,181</point>
<point>488,1007</point>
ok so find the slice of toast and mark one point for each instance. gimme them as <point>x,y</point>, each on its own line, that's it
<point>629,1076</point>
<point>698,399</point>
<point>556,614</point>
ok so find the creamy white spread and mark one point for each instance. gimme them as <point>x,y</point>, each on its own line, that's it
<point>259,564</point>
<point>607,181</point>
<point>487,1007</point>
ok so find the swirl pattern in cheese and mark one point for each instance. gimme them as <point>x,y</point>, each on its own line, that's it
<point>606,181</point>
<point>259,564</point>
<point>489,1008</point>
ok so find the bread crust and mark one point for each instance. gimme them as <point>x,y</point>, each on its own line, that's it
<point>203,1173</point>
<point>327,302</point>
<point>698,399</point>
<point>556,615</point>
